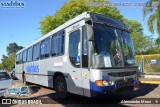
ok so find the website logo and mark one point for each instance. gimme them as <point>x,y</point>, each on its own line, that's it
<point>12,4</point>
<point>6,101</point>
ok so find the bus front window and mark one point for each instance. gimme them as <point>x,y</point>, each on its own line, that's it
<point>111,47</point>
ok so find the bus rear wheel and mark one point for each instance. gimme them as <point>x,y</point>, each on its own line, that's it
<point>61,87</point>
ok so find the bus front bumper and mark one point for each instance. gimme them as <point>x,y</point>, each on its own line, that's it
<point>116,88</point>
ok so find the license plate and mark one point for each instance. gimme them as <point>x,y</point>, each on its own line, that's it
<point>135,88</point>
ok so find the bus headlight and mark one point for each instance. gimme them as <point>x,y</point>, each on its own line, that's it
<point>104,82</point>
<point>110,82</point>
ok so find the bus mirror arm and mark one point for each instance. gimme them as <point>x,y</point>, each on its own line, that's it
<point>89,31</point>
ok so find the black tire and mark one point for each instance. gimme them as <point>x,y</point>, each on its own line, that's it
<point>61,87</point>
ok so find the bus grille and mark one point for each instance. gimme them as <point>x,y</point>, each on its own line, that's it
<point>122,81</point>
<point>121,74</point>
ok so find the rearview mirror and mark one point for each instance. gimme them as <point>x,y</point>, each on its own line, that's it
<point>89,31</point>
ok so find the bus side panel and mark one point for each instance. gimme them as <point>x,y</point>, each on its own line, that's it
<point>18,71</point>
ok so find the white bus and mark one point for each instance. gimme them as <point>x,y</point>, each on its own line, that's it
<point>89,55</point>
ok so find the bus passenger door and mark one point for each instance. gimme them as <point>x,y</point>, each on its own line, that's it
<point>84,59</point>
<point>74,63</point>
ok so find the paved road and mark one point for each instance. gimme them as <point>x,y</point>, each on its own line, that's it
<point>50,97</point>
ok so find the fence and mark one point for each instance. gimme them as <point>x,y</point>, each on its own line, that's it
<point>151,63</point>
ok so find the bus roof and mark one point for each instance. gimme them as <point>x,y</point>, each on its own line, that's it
<point>94,16</point>
<point>61,27</point>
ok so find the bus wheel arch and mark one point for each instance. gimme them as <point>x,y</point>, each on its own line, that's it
<point>60,85</point>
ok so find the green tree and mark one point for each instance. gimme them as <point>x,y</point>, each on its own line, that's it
<point>158,41</point>
<point>13,48</point>
<point>3,57</point>
<point>9,62</point>
<point>141,43</point>
<point>73,8</point>
<point>1,67</point>
<point>154,49</point>
<point>152,9</point>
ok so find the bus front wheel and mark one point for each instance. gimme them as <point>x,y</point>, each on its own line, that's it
<point>61,87</point>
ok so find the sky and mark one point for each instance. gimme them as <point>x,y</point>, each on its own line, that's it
<point>21,25</point>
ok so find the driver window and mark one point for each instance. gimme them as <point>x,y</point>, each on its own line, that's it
<point>74,48</point>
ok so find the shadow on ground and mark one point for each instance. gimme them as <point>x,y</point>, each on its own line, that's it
<point>109,99</point>
<point>113,98</point>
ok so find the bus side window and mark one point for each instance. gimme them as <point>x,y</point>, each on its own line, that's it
<point>74,41</point>
<point>58,44</point>
<point>20,58</point>
<point>45,48</point>
<point>24,56</point>
<point>47,45</point>
<point>84,48</point>
<point>42,49</point>
<point>17,59</point>
<point>36,50</point>
<point>29,54</point>
<point>54,45</point>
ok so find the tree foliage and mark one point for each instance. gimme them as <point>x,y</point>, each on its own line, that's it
<point>1,67</point>
<point>152,8</point>
<point>8,62</point>
<point>73,8</point>
<point>158,41</point>
<point>153,50</point>
<point>13,48</point>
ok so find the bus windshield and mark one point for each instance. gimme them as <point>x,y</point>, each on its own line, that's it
<point>111,47</point>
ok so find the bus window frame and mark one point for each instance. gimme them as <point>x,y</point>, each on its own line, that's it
<point>44,40</point>
<point>21,57</point>
<point>33,51</point>
<point>17,59</point>
<point>25,57</point>
<point>63,38</point>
